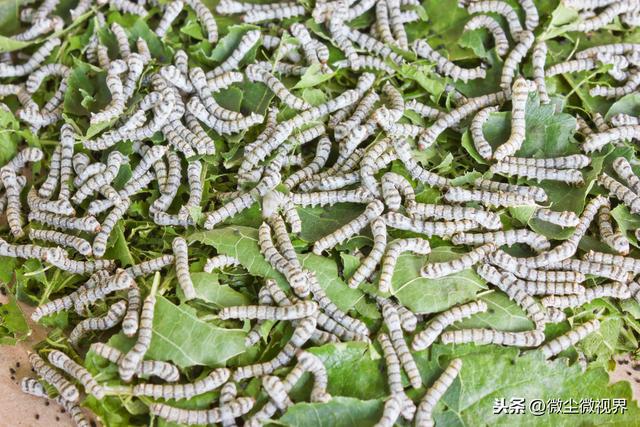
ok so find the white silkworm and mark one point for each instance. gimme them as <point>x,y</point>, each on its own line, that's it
<point>574,161</point>
<point>514,58</point>
<point>171,12</point>
<point>373,210</point>
<point>267,312</point>
<point>624,171</point>
<point>38,57</point>
<point>536,193</point>
<point>228,393</point>
<point>424,411</point>
<point>232,409</point>
<point>606,16</point>
<point>14,205</point>
<point>572,337</point>
<point>562,218</point>
<point>146,268</point>
<point>247,41</point>
<point>114,161</point>
<point>163,370</point>
<point>67,390</point>
<point>275,389</point>
<point>313,364</point>
<point>394,378</point>
<point>392,409</point>
<point>114,83</point>
<point>597,141</point>
<point>438,228</point>
<point>130,321</point>
<point>536,241</point>
<point>212,381</point>
<point>549,288</point>
<point>394,249</point>
<point>501,8</point>
<point>59,258</point>
<point>368,264</point>
<point>489,220</point>
<point>589,267</point>
<point>493,26</point>
<point>392,321</point>
<point>612,290</point>
<point>65,363</point>
<point>491,336</point>
<point>22,251</point>
<point>447,67</point>
<point>394,187</point>
<point>180,252</point>
<point>220,261</point>
<point>100,241</point>
<point>510,264</point>
<point>621,192</point>
<point>417,172</point>
<point>33,387</point>
<point>479,141</point>
<point>255,73</point>
<point>425,338</point>
<point>569,176</point>
<point>206,18</point>
<point>622,119</point>
<point>129,363</point>
<point>616,241</point>
<point>624,262</point>
<point>488,198</point>
<point>467,260</point>
<point>519,96</point>
<point>301,334</point>
<point>113,317</point>
<point>573,66</point>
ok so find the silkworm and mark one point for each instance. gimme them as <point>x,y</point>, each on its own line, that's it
<point>114,84</point>
<point>12,193</point>
<point>228,393</point>
<point>514,58</point>
<point>394,249</point>
<point>363,109</point>
<point>130,321</point>
<point>22,251</point>
<point>597,141</point>
<point>492,336</point>
<point>394,187</point>
<point>519,96</point>
<point>536,241</point>
<point>612,290</point>
<point>67,390</point>
<point>33,387</point>
<point>424,411</point>
<point>501,8</point>
<point>417,172</point>
<point>65,363</point>
<point>267,312</point>
<point>488,198</point>
<point>114,161</point>
<point>131,360</point>
<point>479,141</point>
<point>276,391</point>
<point>425,338</point>
<point>561,218</point>
<point>229,209</point>
<point>256,73</point>
<point>624,262</point>
<point>180,252</point>
<point>372,45</point>
<point>488,219</point>
<point>538,60</point>
<point>199,81</point>
<point>394,378</point>
<point>536,193</point>
<point>574,161</point>
<point>632,83</point>
<point>232,409</point>
<point>429,228</point>
<point>212,381</point>
<point>313,364</point>
<point>368,264</point>
<point>220,261</point>
<point>163,370</point>
<point>624,171</point>
<point>51,182</point>
<point>38,57</point>
<point>589,267</point>
<point>392,321</point>
<point>572,337</point>
<point>113,317</point>
<point>573,66</point>
<point>493,26</point>
<point>231,63</point>
<point>146,268</point>
<point>510,264</point>
<point>339,32</point>
<point>447,67</point>
<point>329,241</point>
<point>621,192</point>
<point>616,241</point>
<point>100,241</point>
<point>610,49</point>
<point>569,176</point>
<point>392,409</point>
<point>301,334</point>
<point>467,260</point>
<point>59,258</point>
<point>206,18</point>
<point>605,17</point>
<point>171,12</point>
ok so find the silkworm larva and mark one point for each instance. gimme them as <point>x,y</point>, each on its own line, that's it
<point>228,393</point>
<point>231,63</point>
<point>519,96</point>
<point>425,338</point>
<point>131,319</point>
<point>180,252</point>
<point>536,241</point>
<point>467,260</point>
<point>212,381</point>
<point>67,390</point>
<point>565,341</point>
<point>493,26</point>
<point>14,205</point>
<point>368,264</point>
<point>514,58</point>
<point>511,264</point>
<point>233,409</point>
<point>429,228</point>
<point>424,411</point>
<point>447,67</point>
<point>562,218</point>
<point>616,241</point>
<point>113,317</point>
<point>538,60</point>
<point>624,262</point>
<point>39,56</point>
<point>22,251</point>
<point>206,18</point>
<point>488,198</point>
<point>313,364</point>
<point>220,261</point>
<point>479,141</point>
<point>394,249</point>
<point>267,312</point>
<point>394,187</point>
<point>392,409</point>
<point>79,244</point>
<point>621,192</point>
<point>59,258</point>
<point>612,290</point>
<point>574,161</point>
<point>231,208</point>
<point>163,370</point>
<point>276,391</point>
<point>392,321</point>
<point>301,335</point>
<point>612,272</point>
<point>65,363</point>
<point>624,171</point>
<point>597,141</point>
<point>605,17</point>
<point>171,12</point>
<point>536,193</point>
<point>490,336</point>
<point>569,176</point>
<point>327,242</point>
<point>489,220</point>
<point>100,241</point>
<point>129,363</point>
<point>146,268</point>
<point>34,388</point>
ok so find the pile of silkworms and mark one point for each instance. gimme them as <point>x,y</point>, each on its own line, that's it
<point>164,122</point>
